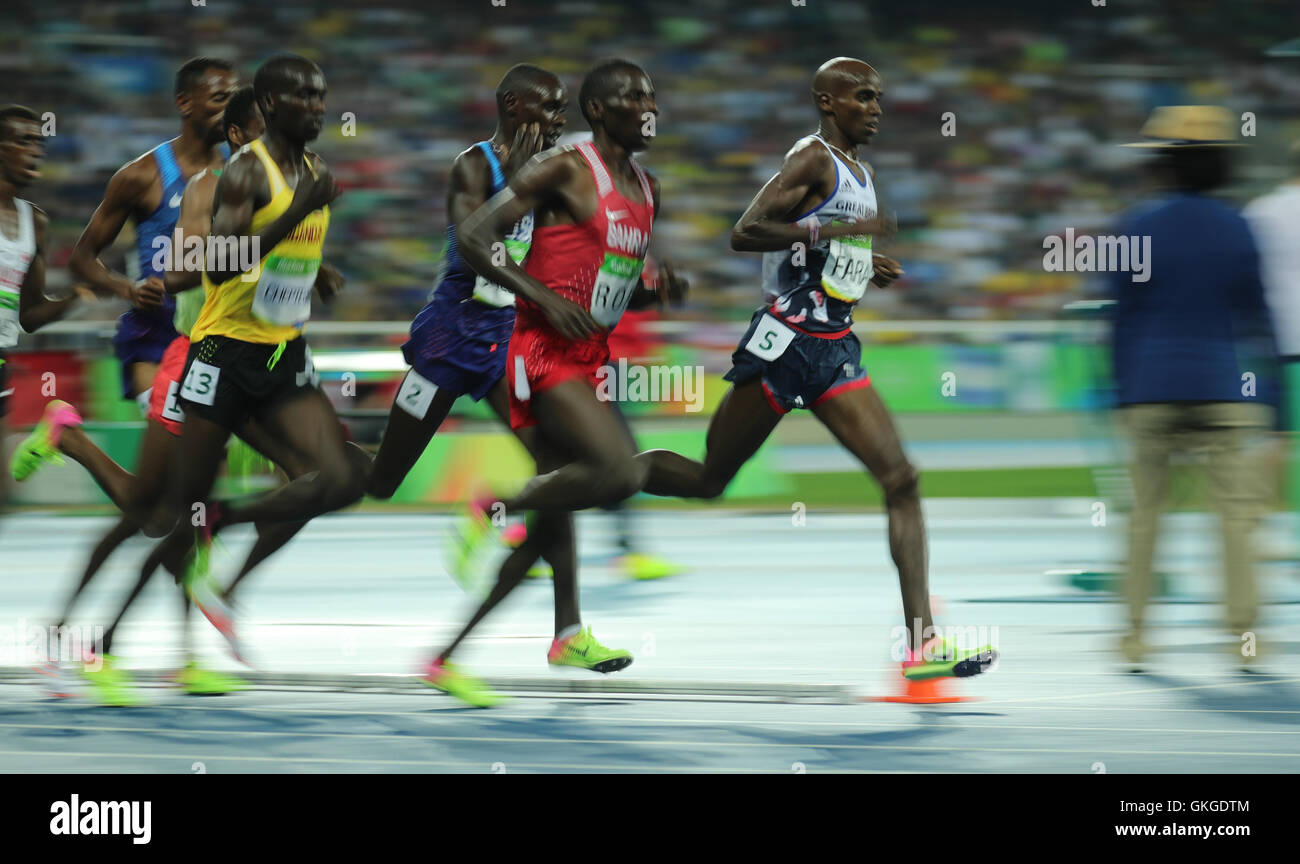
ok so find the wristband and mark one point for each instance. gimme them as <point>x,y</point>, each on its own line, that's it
<point>814,226</point>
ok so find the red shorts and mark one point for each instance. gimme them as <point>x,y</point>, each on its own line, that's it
<point>164,405</point>
<point>538,359</point>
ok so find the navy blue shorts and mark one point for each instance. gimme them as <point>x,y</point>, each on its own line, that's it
<point>141,337</point>
<point>812,369</point>
<point>439,352</point>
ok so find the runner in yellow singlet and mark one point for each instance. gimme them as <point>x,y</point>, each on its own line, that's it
<point>248,358</point>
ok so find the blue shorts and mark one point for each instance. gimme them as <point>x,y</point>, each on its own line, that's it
<point>440,352</point>
<point>141,337</point>
<point>812,369</point>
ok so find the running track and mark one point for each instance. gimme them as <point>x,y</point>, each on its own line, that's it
<point>754,660</point>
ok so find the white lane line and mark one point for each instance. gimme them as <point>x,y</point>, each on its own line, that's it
<point>510,766</point>
<point>720,726</point>
<point>793,706</point>
<point>497,739</point>
<point>1150,691</point>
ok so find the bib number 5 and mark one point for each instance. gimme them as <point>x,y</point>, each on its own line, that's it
<point>770,339</point>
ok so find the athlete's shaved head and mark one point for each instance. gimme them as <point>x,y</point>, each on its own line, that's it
<point>280,71</point>
<point>847,94</point>
<point>290,91</point>
<point>522,78</point>
<point>840,74</point>
<point>603,81</point>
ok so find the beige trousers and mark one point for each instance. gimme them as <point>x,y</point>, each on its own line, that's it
<point>1220,430</point>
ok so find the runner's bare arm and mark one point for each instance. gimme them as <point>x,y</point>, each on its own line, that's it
<point>195,221</point>
<point>766,227</point>
<point>236,199</point>
<point>468,185</point>
<point>131,181</point>
<point>541,181</point>
<point>35,310</point>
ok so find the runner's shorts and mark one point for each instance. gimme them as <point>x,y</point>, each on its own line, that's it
<point>228,381</point>
<point>439,352</point>
<point>164,398</point>
<point>539,358</point>
<point>808,370</point>
<point>141,337</point>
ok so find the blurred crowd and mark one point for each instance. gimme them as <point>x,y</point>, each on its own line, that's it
<point>1039,94</point>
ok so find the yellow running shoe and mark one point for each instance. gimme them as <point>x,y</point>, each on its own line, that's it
<point>197,681</point>
<point>43,444</point>
<point>582,650</point>
<point>449,679</point>
<point>110,685</point>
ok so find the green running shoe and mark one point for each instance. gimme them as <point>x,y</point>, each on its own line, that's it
<point>940,658</point>
<point>582,650</point>
<point>540,570</point>
<point>466,553</point>
<point>197,681</point>
<point>449,679</point>
<point>637,566</point>
<point>111,685</point>
<point>43,444</point>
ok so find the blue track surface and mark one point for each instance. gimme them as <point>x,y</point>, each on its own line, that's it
<point>752,660</point>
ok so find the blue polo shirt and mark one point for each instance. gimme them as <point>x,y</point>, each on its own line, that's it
<point>1199,324</point>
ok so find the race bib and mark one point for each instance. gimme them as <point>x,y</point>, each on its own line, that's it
<point>9,328</point>
<point>284,289</point>
<point>848,268</point>
<point>416,394</point>
<point>172,406</point>
<point>201,383</point>
<point>492,294</point>
<point>308,375</point>
<point>615,282</point>
<point>770,339</point>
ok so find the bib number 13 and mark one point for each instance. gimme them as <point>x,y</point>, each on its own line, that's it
<point>201,383</point>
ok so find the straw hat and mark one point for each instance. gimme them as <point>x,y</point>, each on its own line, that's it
<point>1189,126</point>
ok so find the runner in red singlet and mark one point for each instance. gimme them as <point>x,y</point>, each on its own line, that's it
<point>593,208</point>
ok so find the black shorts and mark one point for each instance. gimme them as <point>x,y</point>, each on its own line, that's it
<point>810,370</point>
<point>227,381</point>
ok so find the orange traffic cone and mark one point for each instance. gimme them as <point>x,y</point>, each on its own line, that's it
<point>928,692</point>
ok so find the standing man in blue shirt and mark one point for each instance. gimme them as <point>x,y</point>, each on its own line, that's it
<point>1191,347</point>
